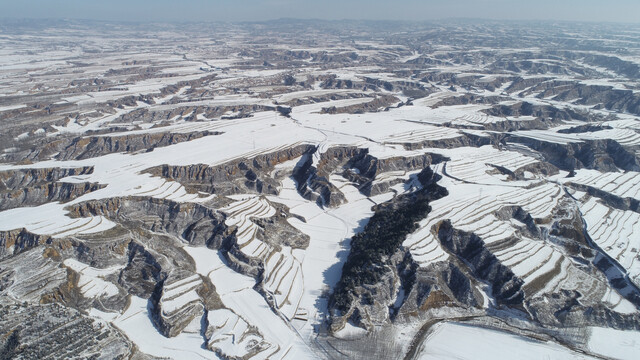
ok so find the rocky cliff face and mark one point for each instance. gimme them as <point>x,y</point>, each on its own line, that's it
<point>15,241</point>
<point>88,147</point>
<point>38,195</point>
<point>506,287</point>
<point>240,176</point>
<point>605,155</point>
<point>23,178</point>
<point>34,187</point>
<point>193,223</point>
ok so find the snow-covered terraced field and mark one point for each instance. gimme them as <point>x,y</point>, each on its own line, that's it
<point>295,113</point>
<point>91,282</point>
<point>425,132</point>
<point>622,184</point>
<point>549,136</point>
<point>474,166</point>
<point>51,219</point>
<point>616,232</point>
<point>177,295</point>
<point>234,337</point>
<point>237,294</point>
<point>628,137</point>
<point>283,277</point>
<point>473,208</point>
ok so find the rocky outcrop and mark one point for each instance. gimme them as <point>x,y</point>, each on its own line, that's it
<point>193,223</point>
<point>238,176</point>
<point>564,310</point>
<point>176,302</point>
<point>375,105</point>
<point>369,167</point>
<point>611,200</point>
<point>623,67</point>
<point>144,272</point>
<point>436,286</point>
<point>519,83</point>
<point>88,147</point>
<point>32,177</point>
<point>545,112</point>
<point>505,286</point>
<point>469,99</point>
<point>602,97</point>
<point>32,187</point>
<point>604,155</point>
<point>42,194</point>
<point>532,67</point>
<point>13,242</point>
<point>538,168</point>
<point>313,183</point>
<point>276,230</point>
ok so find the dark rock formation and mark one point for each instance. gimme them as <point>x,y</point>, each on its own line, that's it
<point>505,286</point>
<point>239,176</point>
<point>13,242</point>
<point>604,155</point>
<point>193,223</point>
<point>88,147</point>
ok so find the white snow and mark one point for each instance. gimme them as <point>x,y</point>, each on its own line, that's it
<point>458,341</point>
<point>136,324</point>
<point>237,294</point>
<point>51,219</point>
<point>617,344</point>
<point>91,281</point>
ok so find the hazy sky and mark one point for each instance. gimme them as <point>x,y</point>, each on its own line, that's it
<point>234,10</point>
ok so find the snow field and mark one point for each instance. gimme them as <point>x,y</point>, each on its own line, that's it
<point>136,323</point>
<point>51,219</point>
<point>616,344</point>
<point>615,231</point>
<point>237,294</point>
<point>622,184</point>
<point>472,207</point>
<point>455,341</point>
<point>282,270</point>
<point>179,294</point>
<point>91,281</point>
<point>372,126</point>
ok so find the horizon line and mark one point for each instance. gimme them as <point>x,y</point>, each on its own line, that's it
<point>399,21</point>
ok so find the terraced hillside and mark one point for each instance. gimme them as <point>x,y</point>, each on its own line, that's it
<point>367,190</point>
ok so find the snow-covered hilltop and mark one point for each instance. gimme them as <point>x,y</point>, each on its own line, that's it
<point>321,190</point>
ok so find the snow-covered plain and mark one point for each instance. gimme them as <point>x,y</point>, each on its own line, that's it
<point>449,341</point>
